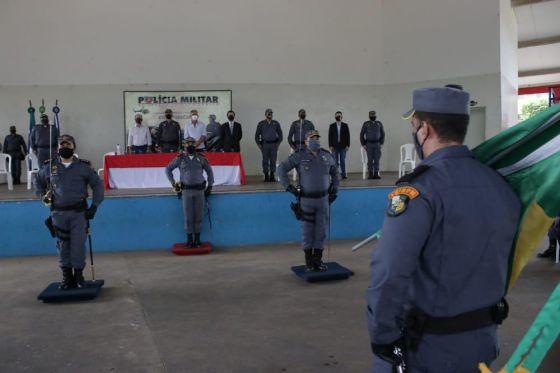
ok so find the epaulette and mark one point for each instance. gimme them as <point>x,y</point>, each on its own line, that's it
<point>413,175</point>
<point>85,161</point>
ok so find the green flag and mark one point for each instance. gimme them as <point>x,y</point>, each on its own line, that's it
<point>528,156</point>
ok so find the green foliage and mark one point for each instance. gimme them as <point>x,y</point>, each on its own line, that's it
<point>532,108</point>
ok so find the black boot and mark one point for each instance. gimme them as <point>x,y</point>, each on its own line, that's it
<point>308,260</point>
<point>190,242</point>
<point>266,177</point>
<point>376,175</point>
<point>67,279</point>
<point>548,253</point>
<point>318,265</point>
<point>370,175</point>
<point>79,278</point>
<point>197,240</point>
<point>272,178</point>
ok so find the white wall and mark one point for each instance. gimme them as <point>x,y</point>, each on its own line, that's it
<point>323,55</point>
<point>508,64</point>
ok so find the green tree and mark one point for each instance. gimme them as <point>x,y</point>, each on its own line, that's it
<point>532,108</point>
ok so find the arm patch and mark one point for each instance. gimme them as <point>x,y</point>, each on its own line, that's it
<point>399,199</point>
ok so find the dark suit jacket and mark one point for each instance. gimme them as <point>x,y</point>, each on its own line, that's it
<point>230,141</point>
<point>334,141</point>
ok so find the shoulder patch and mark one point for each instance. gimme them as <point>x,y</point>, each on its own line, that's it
<point>399,199</point>
<point>414,174</point>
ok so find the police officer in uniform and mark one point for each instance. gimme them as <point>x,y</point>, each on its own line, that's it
<point>64,186</point>
<point>213,140</point>
<point>372,137</point>
<point>168,134</point>
<point>319,179</point>
<point>14,145</point>
<point>43,139</point>
<point>298,131</point>
<point>192,186</point>
<point>439,270</point>
<point>268,137</point>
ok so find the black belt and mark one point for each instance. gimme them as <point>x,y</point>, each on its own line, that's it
<point>314,194</point>
<point>419,321</point>
<point>201,186</point>
<point>78,207</point>
<point>373,142</point>
<point>271,142</point>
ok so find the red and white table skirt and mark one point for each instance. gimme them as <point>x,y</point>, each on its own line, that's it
<point>148,170</point>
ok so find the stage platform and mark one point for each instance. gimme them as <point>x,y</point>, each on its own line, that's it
<point>240,310</point>
<point>254,184</point>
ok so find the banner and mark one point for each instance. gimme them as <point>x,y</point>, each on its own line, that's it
<point>152,105</point>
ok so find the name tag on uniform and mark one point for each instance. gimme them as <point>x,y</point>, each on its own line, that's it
<point>399,199</point>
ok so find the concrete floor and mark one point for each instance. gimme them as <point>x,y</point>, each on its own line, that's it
<point>236,310</point>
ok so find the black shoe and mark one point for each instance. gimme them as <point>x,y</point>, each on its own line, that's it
<point>548,253</point>
<point>79,278</point>
<point>376,175</point>
<point>318,265</point>
<point>68,281</point>
<point>370,176</point>
<point>197,240</point>
<point>272,178</point>
<point>344,177</point>
<point>190,243</point>
<point>308,260</point>
<point>266,177</point>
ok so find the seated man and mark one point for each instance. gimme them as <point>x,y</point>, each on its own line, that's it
<point>192,186</point>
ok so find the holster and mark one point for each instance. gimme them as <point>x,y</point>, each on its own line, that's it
<point>296,208</point>
<point>50,226</point>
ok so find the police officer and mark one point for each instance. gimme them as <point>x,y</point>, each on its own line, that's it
<point>168,134</point>
<point>372,137</point>
<point>319,181</point>
<point>192,186</point>
<point>14,145</point>
<point>213,129</point>
<point>43,139</point>
<point>298,131</point>
<point>443,253</point>
<point>64,186</point>
<point>268,137</point>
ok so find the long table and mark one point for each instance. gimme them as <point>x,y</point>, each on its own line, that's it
<point>148,170</point>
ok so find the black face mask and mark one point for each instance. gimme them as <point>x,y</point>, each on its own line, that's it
<point>190,149</point>
<point>417,144</point>
<point>372,117</point>
<point>168,116</point>
<point>338,118</point>
<point>45,121</point>
<point>66,152</point>
<point>230,117</point>
<point>302,116</point>
<point>13,132</point>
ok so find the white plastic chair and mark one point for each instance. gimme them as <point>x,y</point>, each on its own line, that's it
<point>364,162</point>
<point>294,172</point>
<point>408,157</point>
<point>34,168</point>
<point>100,171</point>
<point>6,158</point>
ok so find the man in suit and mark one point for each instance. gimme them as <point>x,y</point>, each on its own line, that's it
<point>231,134</point>
<point>339,142</point>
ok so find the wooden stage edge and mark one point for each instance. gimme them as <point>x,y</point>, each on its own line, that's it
<point>255,184</point>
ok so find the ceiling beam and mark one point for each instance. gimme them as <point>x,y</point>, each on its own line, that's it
<point>516,3</point>
<point>553,70</point>
<point>538,42</point>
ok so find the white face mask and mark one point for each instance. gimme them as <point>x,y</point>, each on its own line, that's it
<point>194,117</point>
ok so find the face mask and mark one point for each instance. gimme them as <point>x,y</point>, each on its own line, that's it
<point>302,116</point>
<point>139,121</point>
<point>417,144</point>
<point>338,118</point>
<point>66,152</point>
<point>194,117</point>
<point>190,149</point>
<point>230,117</point>
<point>269,117</point>
<point>45,121</point>
<point>372,117</point>
<point>13,132</point>
<point>168,116</point>
<point>314,145</point>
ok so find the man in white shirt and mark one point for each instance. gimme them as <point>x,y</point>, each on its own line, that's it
<point>196,130</point>
<point>139,137</point>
